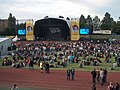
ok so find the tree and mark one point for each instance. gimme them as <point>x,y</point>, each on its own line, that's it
<point>21,26</point>
<point>7,31</point>
<point>96,23</point>
<point>117,27</point>
<point>106,23</point>
<point>89,21</point>
<point>11,25</point>
<point>82,21</point>
<point>114,27</point>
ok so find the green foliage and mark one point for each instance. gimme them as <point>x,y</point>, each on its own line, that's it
<point>86,22</point>
<point>21,26</point>
<point>107,22</point>
<point>89,21</point>
<point>11,25</point>
<point>118,27</point>
<point>96,23</point>
<point>114,27</point>
<point>2,33</point>
<point>9,31</point>
<point>82,22</point>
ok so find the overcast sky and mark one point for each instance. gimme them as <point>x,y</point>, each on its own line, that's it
<point>37,9</point>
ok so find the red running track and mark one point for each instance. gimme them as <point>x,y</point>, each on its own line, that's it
<point>55,80</point>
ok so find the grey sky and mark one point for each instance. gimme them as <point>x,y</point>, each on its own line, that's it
<point>37,9</point>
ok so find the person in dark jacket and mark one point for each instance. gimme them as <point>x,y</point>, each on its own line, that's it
<point>94,76</point>
<point>105,76</point>
<point>72,73</point>
<point>47,67</point>
<point>31,65</point>
<point>68,74</point>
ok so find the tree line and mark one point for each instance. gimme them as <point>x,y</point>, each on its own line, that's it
<point>107,23</point>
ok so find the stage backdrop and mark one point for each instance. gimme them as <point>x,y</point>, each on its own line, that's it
<point>52,29</point>
<point>29,30</point>
<point>74,28</point>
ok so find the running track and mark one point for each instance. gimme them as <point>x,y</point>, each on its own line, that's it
<point>55,80</point>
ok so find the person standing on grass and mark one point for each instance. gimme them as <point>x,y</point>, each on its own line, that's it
<point>72,73</point>
<point>68,74</point>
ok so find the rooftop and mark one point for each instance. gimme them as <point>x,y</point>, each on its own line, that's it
<point>3,39</point>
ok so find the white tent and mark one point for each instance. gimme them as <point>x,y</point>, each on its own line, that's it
<point>5,45</point>
<point>15,38</point>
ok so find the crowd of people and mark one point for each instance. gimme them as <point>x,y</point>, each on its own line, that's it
<point>6,61</point>
<point>47,54</point>
<point>99,75</point>
<point>62,53</point>
<point>113,87</point>
<point>67,52</point>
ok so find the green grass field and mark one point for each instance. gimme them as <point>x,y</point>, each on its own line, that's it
<point>75,65</point>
